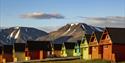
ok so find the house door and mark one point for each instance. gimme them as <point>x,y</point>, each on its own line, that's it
<point>107,52</point>
<point>85,53</point>
<point>34,55</point>
<point>95,52</point>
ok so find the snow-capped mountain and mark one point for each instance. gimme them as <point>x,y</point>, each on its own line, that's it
<point>19,34</point>
<point>70,32</point>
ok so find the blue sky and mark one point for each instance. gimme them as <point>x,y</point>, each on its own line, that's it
<point>11,10</point>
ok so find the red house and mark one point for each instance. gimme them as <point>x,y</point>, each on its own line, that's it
<point>1,54</point>
<point>38,49</point>
<point>113,44</point>
<point>94,45</point>
<point>8,53</point>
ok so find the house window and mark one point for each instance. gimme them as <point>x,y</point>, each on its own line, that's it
<point>84,48</point>
<point>106,46</point>
<point>75,50</point>
<point>94,48</point>
<point>92,39</point>
<point>104,36</point>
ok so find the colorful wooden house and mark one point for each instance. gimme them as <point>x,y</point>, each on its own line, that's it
<point>39,49</point>
<point>94,45</point>
<point>77,48</point>
<point>8,53</point>
<point>113,44</point>
<point>20,51</point>
<point>57,50</point>
<point>1,60</point>
<point>84,47</point>
<point>63,51</point>
<point>70,48</point>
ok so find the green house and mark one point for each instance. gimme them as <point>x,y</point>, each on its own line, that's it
<point>77,48</point>
<point>84,47</point>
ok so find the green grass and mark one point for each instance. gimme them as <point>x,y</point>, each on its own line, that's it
<point>77,61</point>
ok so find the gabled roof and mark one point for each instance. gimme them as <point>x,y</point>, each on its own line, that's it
<point>19,47</point>
<point>0,49</point>
<point>39,45</point>
<point>57,46</point>
<point>8,48</point>
<point>87,36</point>
<point>69,45</point>
<point>98,35</point>
<point>79,42</point>
<point>117,35</point>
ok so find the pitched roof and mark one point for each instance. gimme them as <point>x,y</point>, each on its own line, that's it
<point>98,35</point>
<point>79,42</point>
<point>117,35</point>
<point>39,45</point>
<point>69,45</point>
<point>8,48</point>
<point>19,47</point>
<point>87,36</point>
<point>57,46</point>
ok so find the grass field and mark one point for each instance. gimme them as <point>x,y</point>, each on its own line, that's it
<point>78,61</point>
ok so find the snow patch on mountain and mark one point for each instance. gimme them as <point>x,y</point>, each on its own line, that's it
<point>17,34</point>
<point>72,32</point>
<point>17,27</point>
<point>72,24</point>
<point>12,34</point>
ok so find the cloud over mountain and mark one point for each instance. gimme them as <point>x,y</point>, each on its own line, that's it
<point>41,15</point>
<point>111,21</point>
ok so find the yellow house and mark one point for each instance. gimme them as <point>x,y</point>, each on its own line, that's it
<point>63,51</point>
<point>85,47</point>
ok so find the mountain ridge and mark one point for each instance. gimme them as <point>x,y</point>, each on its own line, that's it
<point>69,32</point>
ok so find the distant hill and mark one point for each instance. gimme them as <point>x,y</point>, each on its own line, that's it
<point>70,32</point>
<point>19,35</point>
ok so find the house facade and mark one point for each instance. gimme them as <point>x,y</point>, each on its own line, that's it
<point>20,51</point>
<point>63,51</point>
<point>94,45</point>
<point>57,50</point>
<point>113,44</point>
<point>70,48</point>
<point>77,48</point>
<point>84,47</point>
<point>39,49</point>
<point>8,53</point>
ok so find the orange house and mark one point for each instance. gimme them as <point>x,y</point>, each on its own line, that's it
<point>38,49</point>
<point>94,45</point>
<point>8,53</point>
<point>113,44</point>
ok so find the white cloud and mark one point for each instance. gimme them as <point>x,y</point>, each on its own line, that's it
<point>40,15</point>
<point>111,21</point>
